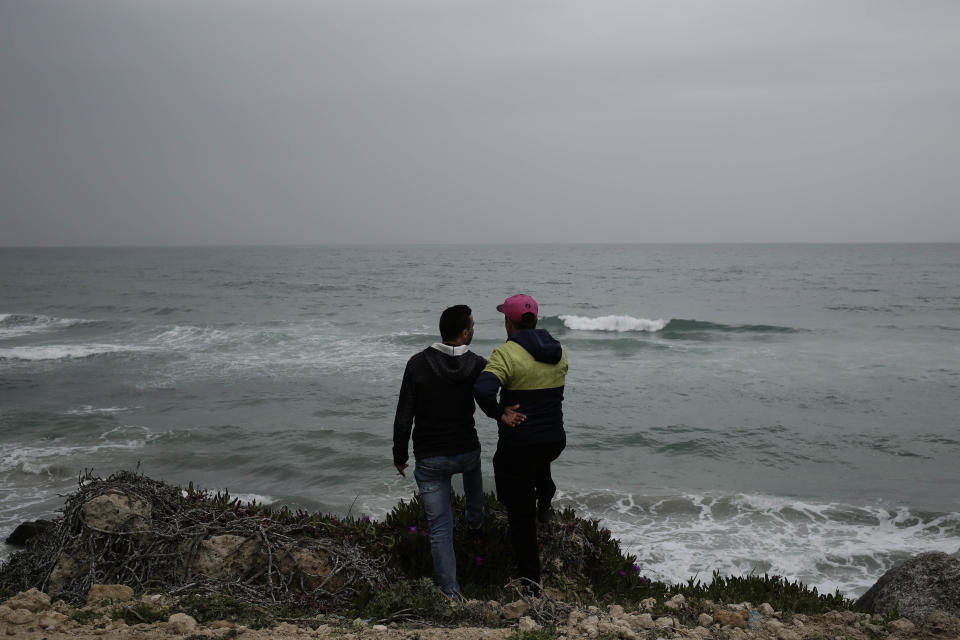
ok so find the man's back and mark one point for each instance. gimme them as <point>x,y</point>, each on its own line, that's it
<point>436,397</point>
<point>531,368</point>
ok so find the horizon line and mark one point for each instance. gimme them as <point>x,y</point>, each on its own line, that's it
<point>478,244</point>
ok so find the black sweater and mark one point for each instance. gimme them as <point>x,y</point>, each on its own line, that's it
<point>437,395</point>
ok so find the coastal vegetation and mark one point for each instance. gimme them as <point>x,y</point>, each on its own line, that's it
<point>209,557</point>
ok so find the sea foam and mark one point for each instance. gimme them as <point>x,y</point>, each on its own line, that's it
<point>619,324</point>
<point>827,545</point>
<point>64,351</point>
<point>13,325</point>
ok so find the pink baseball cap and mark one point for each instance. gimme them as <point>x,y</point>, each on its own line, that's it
<point>515,306</point>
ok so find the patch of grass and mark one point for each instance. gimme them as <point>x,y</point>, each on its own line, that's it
<point>789,597</point>
<point>138,613</point>
<point>231,633</point>
<point>84,616</point>
<point>411,599</point>
<point>547,633</point>
<point>216,606</point>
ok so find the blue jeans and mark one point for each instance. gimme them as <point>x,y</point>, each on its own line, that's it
<point>433,479</point>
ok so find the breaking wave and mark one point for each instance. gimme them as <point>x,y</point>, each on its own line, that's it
<point>672,328</point>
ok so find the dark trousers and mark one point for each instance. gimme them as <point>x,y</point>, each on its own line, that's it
<point>523,480</point>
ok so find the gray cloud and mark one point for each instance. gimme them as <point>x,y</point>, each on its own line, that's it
<point>313,122</point>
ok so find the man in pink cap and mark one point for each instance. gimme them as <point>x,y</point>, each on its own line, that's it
<point>529,372</point>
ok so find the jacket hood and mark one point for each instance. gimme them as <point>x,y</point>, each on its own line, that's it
<point>539,344</point>
<point>453,368</point>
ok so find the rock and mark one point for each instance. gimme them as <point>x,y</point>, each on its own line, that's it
<point>731,618</point>
<point>225,557</point>
<point>31,600</point>
<point>575,617</point>
<point>939,622</point>
<point>51,621</point>
<point>702,632</point>
<point>20,616</point>
<point>901,625</point>
<point>379,627</point>
<point>286,629</point>
<point>614,630</point>
<point>590,626</point>
<point>647,604</point>
<point>917,587</point>
<point>516,609</point>
<point>27,530</point>
<point>117,512</point>
<point>704,620</point>
<point>107,592</point>
<point>182,623</point>
<point>616,611</point>
<point>772,625</point>
<point>67,568</point>
<point>787,634</point>
<point>765,609</point>
<point>527,625</point>
<point>313,567</point>
<point>642,622</point>
<point>666,622</point>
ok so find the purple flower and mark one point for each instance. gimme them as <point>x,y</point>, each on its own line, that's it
<point>366,519</point>
<point>636,568</point>
<point>413,529</point>
<point>623,573</point>
<point>479,560</point>
<point>424,533</point>
<point>643,580</point>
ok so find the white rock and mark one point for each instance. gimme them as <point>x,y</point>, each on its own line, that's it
<point>901,624</point>
<point>527,624</point>
<point>182,623</point>
<point>20,616</point>
<point>666,622</point>
<point>705,620</point>
<point>31,600</point>
<point>51,621</point>
<point>111,511</point>
<point>616,611</point>
<point>765,609</point>
<point>647,604</point>
<point>379,627</point>
<point>107,592</point>
<point>642,622</point>
<point>590,626</point>
<point>515,610</point>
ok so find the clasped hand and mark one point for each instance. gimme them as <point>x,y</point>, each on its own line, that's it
<point>511,417</point>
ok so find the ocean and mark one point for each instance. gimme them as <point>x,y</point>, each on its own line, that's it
<point>781,409</point>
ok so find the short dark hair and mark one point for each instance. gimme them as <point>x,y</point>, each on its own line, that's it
<point>454,321</point>
<point>527,321</point>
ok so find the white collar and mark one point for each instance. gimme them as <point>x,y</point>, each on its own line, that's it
<point>449,349</point>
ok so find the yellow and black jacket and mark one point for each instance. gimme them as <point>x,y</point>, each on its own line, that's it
<point>529,369</point>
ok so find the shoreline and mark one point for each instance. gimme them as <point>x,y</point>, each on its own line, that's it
<point>133,556</point>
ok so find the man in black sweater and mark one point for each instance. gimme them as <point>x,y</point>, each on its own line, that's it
<point>436,401</point>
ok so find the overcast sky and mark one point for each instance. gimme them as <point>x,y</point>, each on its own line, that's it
<point>213,122</point>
